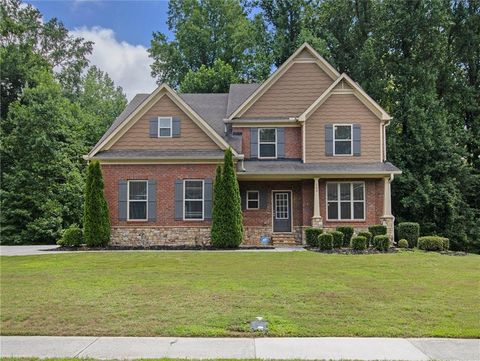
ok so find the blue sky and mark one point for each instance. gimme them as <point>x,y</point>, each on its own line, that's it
<point>121,30</point>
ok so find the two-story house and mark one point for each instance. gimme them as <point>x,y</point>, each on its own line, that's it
<point>309,145</point>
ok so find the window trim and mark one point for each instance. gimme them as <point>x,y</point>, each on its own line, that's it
<point>136,200</point>
<point>352,201</point>
<point>259,143</point>
<point>158,127</point>
<point>185,200</point>
<point>343,140</point>
<point>258,200</point>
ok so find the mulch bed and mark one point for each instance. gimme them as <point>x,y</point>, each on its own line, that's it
<point>351,251</point>
<point>153,248</point>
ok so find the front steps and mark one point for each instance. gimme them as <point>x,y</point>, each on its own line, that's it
<point>284,239</point>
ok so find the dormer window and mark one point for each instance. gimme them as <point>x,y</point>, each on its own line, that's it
<point>267,143</point>
<point>342,139</point>
<point>164,127</point>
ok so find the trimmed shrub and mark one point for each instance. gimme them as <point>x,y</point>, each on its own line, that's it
<point>377,230</point>
<point>325,241</point>
<point>228,232</point>
<point>381,242</point>
<point>337,239</point>
<point>358,243</point>
<point>433,243</point>
<point>71,237</point>
<point>311,236</point>
<point>368,236</point>
<point>403,243</point>
<point>347,234</point>
<point>96,222</point>
<point>409,231</point>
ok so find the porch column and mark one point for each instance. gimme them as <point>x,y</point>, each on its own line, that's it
<point>387,218</point>
<point>317,218</point>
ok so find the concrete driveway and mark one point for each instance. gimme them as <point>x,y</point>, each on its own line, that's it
<point>27,250</point>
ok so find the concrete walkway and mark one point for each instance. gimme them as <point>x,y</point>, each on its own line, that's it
<point>42,250</point>
<point>308,348</point>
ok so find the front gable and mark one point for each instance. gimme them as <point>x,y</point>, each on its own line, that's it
<point>291,89</point>
<point>135,131</point>
<point>191,136</point>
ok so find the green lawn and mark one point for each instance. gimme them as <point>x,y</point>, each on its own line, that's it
<point>216,294</point>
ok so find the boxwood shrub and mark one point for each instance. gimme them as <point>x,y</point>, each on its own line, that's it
<point>325,241</point>
<point>409,231</point>
<point>311,236</point>
<point>377,230</point>
<point>433,243</point>
<point>347,234</point>
<point>403,243</point>
<point>358,243</point>
<point>337,239</point>
<point>368,237</point>
<point>71,237</point>
<point>381,242</point>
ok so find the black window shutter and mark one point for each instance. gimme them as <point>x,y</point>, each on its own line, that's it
<point>329,140</point>
<point>357,135</point>
<point>253,142</point>
<point>281,142</point>
<point>176,128</point>
<point>154,127</point>
<point>122,200</point>
<point>208,192</point>
<point>263,194</point>
<point>243,199</point>
<point>178,199</point>
<point>152,200</point>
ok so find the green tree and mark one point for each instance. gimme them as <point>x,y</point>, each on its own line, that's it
<point>216,79</point>
<point>100,102</point>
<point>227,226</point>
<point>204,30</point>
<point>219,201</point>
<point>41,189</point>
<point>96,221</point>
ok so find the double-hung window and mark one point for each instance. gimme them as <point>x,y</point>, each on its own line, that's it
<point>193,198</point>
<point>342,139</point>
<point>137,200</point>
<point>346,201</point>
<point>267,143</point>
<point>164,127</point>
<point>253,200</point>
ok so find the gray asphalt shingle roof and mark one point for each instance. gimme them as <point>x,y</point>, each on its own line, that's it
<point>293,167</point>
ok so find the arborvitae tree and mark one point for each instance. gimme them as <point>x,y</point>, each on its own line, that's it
<point>232,225</point>
<point>96,222</point>
<point>218,207</point>
<point>227,226</point>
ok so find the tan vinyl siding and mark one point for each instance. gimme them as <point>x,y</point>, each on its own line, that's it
<point>191,136</point>
<point>342,108</point>
<point>293,93</point>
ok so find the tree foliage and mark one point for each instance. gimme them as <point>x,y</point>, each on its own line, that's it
<point>204,31</point>
<point>96,221</point>
<point>227,225</point>
<point>216,79</point>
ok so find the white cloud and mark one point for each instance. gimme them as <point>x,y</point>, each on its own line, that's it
<point>128,65</point>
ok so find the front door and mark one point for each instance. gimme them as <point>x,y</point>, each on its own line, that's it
<point>282,211</point>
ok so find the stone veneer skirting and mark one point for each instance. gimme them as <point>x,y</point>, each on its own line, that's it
<point>182,236</point>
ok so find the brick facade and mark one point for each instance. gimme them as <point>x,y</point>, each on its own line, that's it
<point>293,141</point>
<point>165,230</point>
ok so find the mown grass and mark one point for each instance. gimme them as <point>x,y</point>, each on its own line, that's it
<point>216,294</point>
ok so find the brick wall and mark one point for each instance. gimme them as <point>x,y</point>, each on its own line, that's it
<point>293,141</point>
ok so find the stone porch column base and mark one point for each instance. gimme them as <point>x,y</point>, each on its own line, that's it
<point>317,222</point>
<point>389,222</point>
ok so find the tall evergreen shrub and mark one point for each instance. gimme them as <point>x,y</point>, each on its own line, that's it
<point>227,226</point>
<point>96,222</point>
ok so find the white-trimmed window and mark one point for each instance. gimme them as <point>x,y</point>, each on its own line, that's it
<point>342,139</point>
<point>267,143</point>
<point>253,199</point>
<point>193,198</point>
<point>346,201</point>
<point>164,127</point>
<point>137,200</point>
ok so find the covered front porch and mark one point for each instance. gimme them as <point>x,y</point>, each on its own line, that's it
<point>280,203</point>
